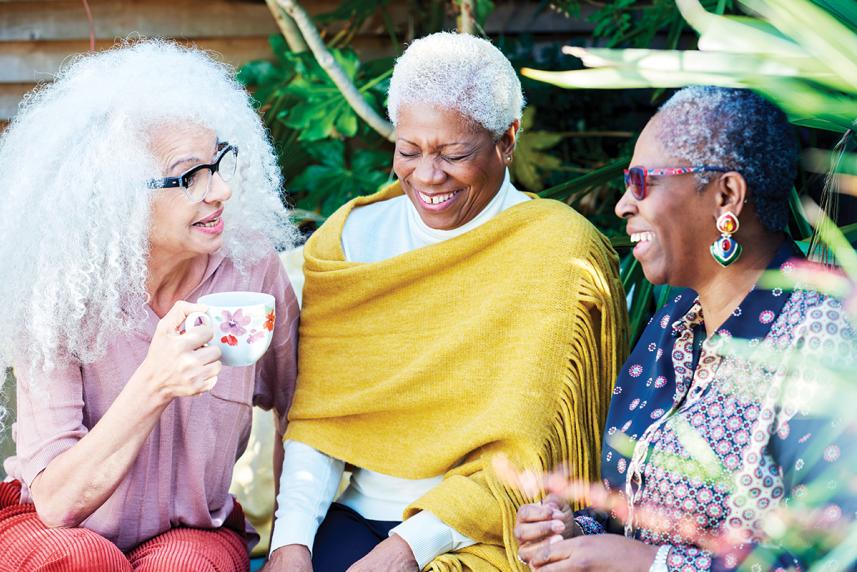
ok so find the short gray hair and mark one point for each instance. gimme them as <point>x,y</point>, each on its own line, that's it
<point>461,72</point>
<point>736,129</point>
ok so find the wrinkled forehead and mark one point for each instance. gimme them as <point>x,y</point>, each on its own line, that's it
<point>435,124</point>
<point>174,144</point>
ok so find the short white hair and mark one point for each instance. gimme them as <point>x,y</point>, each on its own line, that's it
<point>75,209</point>
<point>461,72</point>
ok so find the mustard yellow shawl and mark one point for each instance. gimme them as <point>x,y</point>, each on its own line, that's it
<point>505,339</point>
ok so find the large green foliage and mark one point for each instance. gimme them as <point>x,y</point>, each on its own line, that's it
<point>327,154</point>
<point>573,146</point>
<point>319,138</point>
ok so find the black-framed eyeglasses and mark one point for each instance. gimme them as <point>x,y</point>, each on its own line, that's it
<point>196,181</point>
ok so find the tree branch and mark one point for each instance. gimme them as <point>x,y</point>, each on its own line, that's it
<point>287,27</point>
<point>465,17</point>
<point>334,71</point>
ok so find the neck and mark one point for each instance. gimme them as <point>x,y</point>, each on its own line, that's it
<point>724,288</point>
<point>171,277</point>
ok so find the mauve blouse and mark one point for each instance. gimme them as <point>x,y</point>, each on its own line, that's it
<point>182,474</point>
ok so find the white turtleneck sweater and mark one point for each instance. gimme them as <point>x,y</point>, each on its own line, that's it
<point>310,479</point>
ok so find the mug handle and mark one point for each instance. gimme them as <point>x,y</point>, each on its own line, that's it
<point>190,321</point>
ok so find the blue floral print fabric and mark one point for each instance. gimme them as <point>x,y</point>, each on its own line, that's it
<point>703,440</point>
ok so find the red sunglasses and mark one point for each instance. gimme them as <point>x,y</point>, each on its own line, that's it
<point>635,177</point>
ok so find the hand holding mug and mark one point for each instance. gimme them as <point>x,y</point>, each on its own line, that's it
<point>243,324</point>
<point>180,364</point>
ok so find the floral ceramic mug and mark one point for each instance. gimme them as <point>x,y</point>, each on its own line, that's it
<point>243,324</point>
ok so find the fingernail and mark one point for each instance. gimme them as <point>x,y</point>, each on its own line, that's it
<point>557,514</point>
<point>555,539</point>
<point>557,526</point>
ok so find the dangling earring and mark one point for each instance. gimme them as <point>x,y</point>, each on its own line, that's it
<point>726,249</point>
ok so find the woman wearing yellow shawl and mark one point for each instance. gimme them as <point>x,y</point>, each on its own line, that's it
<point>446,319</point>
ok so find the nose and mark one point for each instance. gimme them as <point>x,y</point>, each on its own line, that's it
<point>626,206</point>
<point>220,191</point>
<point>427,172</point>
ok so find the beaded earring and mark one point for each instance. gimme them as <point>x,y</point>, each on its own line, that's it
<point>726,249</point>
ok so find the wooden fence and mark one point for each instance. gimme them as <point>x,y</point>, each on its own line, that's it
<point>37,36</point>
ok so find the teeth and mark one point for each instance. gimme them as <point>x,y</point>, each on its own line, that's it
<point>642,236</point>
<point>209,224</point>
<point>435,199</point>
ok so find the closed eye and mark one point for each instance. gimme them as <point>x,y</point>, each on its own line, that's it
<point>408,155</point>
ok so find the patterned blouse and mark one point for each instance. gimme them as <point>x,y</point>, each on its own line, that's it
<point>705,437</point>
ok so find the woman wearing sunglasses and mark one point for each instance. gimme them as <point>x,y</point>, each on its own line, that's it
<point>705,441</point>
<point>125,200</point>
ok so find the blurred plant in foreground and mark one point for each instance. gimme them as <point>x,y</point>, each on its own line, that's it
<point>821,384</point>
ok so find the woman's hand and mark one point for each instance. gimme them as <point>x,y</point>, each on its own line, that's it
<point>80,479</point>
<point>180,364</point>
<point>594,553</point>
<point>539,524</point>
<point>392,555</point>
<point>289,558</point>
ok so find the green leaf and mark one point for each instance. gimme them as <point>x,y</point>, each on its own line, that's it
<point>802,227</point>
<point>817,31</point>
<point>735,33</point>
<point>584,183</point>
<point>346,122</point>
<point>348,61</point>
<point>639,310</point>
<point>329,152</point>
<point>482,9</point>
<point>530,160</point>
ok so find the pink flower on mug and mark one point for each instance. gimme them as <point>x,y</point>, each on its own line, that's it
<point>234,323</point>
<point>229,340</point>
<point>255,336</point>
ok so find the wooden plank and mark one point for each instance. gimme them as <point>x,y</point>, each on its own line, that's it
<point>22,62</point>
<point>27,62</point>
<point>10,96</point>
<point>66,19</point>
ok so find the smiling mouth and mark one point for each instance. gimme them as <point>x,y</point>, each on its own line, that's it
<point>208,224</point>
<point>436,199</point>
<point>642,237</point>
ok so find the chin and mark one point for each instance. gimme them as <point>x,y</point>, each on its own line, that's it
<point>655,276</point>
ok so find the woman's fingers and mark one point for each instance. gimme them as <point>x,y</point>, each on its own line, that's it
<point>528,551</point>
<point>556,501</point>
<point>175,318</point>
<point>200,386</point>
<point>534,513</point>
<point>535,531</point>
<point>208,384</point>
<point>555,550</point>
<point>208,354</point>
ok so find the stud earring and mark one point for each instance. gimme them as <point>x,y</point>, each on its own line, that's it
<point>726,249</point>
<point>508,158</point>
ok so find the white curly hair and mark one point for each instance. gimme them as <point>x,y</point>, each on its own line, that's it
<point>461,72</point>
<point>74,221</point>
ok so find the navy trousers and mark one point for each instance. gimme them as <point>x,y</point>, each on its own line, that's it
<point>345,537</point>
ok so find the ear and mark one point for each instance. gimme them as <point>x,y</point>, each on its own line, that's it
<point>508,140</point>
<point>730,193</point>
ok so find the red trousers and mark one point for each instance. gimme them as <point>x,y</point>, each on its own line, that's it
<point>27,545</point>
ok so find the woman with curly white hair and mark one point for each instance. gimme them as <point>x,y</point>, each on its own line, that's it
<point>436,313</point>
<point>137,182</point>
